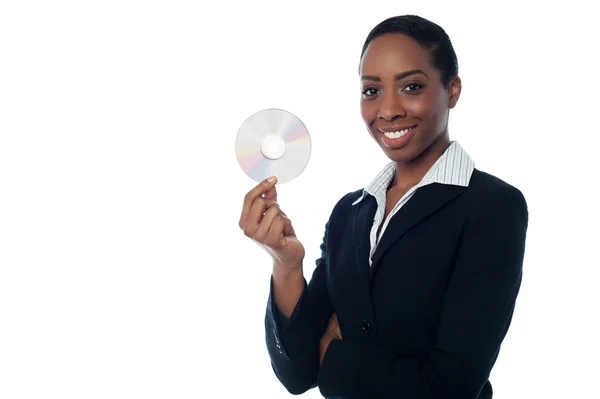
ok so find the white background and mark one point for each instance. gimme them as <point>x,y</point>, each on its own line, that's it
<point>123,273</point>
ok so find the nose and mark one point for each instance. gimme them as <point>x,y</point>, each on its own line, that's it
<point>391,107</point>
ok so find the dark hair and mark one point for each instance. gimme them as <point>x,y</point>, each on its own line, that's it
<point>429,35</point>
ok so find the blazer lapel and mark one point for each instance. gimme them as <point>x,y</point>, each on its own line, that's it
<point>423,203</point>
<point>362,220</point>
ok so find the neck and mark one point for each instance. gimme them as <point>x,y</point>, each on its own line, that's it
<point>409,174</point>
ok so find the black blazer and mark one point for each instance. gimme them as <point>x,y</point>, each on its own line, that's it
<point>427,319</point>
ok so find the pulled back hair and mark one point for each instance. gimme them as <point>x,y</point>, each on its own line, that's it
<point>429,35</point>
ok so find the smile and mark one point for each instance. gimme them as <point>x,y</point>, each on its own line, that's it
<point>397,134</point>
<point>396,137</point>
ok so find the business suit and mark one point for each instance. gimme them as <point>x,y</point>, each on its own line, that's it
<point>427,318</point>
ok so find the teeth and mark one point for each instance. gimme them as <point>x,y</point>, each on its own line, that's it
<point>396,135</point>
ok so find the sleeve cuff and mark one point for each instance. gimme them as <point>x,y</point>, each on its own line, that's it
<point>280,330</point>
<point>283,323</point>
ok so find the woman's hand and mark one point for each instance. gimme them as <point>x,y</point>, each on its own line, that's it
<point>332,332</point>
<point>265,223</point>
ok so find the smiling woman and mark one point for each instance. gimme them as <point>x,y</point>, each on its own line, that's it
<point>409,76</point>
<point>419,271</point>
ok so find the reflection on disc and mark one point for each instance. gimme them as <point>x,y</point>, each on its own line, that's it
<point>273,142</point>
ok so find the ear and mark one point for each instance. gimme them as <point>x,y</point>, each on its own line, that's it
<point>454,90</point>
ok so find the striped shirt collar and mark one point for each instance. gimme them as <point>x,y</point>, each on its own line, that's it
<point>453,167</point>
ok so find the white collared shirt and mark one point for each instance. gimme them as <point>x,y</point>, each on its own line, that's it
<point>453,167</point>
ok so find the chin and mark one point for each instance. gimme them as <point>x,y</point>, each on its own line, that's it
<point>407,153</point>
<point>403,155</point>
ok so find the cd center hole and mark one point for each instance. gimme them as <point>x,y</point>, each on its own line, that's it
<point>274,147</point>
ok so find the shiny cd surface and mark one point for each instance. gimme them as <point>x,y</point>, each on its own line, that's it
<point>273,142</point>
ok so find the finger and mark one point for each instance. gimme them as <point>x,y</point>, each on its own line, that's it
<point>332,325</point>
<point>289,230</point>
<point>271,194</point>
<point>276,236</point>
<point>256,192</point>
<point>336,326</point>
<point>255,216</point>
<point>266,223</point>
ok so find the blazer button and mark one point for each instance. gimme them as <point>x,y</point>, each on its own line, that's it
<point>366,327</point>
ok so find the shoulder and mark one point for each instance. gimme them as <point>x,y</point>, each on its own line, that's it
<point>481,180</point>
<point>485,184</point>
<point>343,205</point>
<point>346,201</point>
<point>488,192</point>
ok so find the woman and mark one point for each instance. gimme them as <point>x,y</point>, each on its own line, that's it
<point>420,270</point>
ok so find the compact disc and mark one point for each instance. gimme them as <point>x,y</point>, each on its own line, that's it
<point>273,142</point>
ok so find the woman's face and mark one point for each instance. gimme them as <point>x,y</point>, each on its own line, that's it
<point>404,104</point>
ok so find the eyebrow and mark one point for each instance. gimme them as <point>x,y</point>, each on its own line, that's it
<point>399,76</point>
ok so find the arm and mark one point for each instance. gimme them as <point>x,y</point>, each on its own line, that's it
<point>477,312</point>
<point>293,343</point>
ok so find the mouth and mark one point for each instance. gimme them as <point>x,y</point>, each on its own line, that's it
<point>397,137</point>
<point>396,132</point>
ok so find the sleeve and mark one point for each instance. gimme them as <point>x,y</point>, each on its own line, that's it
<point>478,309</point>
<point>293,344</point>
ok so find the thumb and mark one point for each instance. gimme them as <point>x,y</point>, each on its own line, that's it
<point>271,193</point>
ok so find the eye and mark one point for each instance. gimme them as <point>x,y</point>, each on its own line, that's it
<point>413,87</point>
<point>369,92</point>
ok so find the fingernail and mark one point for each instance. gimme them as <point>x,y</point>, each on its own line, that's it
<point>271,179</point>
